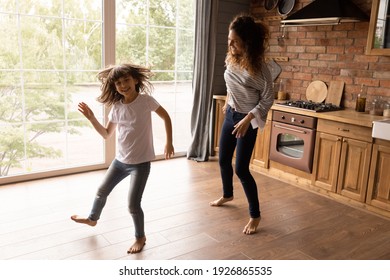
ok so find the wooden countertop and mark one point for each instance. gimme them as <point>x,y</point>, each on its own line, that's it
<point>346,116</point>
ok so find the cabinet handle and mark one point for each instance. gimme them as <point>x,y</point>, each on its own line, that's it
<point>345,141</point>
<point>338,139</point>
<point>343,129</point>
<point>290,129</point>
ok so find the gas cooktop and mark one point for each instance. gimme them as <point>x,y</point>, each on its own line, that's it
<point>310,105</point>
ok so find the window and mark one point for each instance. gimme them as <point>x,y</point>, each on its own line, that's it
<point>159,33</point>
<point>50,54</point>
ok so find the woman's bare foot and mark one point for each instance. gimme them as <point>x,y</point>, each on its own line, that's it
<point>82,220</point>
<point>137,246</point>
<point>252,225</point>
<point>221,201</point>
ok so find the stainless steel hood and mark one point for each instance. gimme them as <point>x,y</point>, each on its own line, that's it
<point>326,12</point>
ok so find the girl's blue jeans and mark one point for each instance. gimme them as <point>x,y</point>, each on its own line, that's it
<point>115,174</point>
<point>244,148</point>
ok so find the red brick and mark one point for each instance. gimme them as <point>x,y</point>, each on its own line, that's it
<point>298,49</point>
<point>306,42</point>
<point>307,56</point>
<point>327,57</point>
<point>303,76</point>
<point>318,49</point>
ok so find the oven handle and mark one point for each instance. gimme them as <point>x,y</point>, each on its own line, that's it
<point>291,129</point>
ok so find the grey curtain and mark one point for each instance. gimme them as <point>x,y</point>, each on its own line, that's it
<point>204,60</point>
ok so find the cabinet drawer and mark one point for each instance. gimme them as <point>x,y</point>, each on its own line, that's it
<point>345,130</point>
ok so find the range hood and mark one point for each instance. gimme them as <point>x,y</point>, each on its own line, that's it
<point>326,12</point>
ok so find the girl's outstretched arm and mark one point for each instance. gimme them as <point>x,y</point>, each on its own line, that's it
<point>105,132</point>
<point>169,150</point>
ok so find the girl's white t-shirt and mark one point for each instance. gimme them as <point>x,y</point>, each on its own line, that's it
<point>134,128</point>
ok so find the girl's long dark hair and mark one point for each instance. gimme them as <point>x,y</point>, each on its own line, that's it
<point>111,74</point>
<point>254,36</point>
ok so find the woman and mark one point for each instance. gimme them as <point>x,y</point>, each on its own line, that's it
<point>249,98</point>
<point>127,87</point>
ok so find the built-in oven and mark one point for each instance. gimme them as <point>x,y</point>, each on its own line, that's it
<point>293,139</point>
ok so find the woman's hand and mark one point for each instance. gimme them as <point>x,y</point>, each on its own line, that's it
<point>242,126</point>
<point>85,110</point>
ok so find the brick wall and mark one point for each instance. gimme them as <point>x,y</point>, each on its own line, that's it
<point>327,53</point>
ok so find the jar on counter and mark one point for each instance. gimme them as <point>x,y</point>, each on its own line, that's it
<point>376,108</point>
<point>386,110</point>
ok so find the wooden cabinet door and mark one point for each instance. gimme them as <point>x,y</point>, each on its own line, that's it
<point>354,169</point>
<point>326,161</point>
<point>261,150</point>
<point>218,121</point>
<point>378,193</point>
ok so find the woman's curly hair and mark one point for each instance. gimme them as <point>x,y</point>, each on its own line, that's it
<point>254,36</point>
<point>111,74</point>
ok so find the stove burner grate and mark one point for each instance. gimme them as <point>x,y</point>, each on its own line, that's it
<point>311,106</point>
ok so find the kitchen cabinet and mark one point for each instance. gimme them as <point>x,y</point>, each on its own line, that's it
<point>342,158</point>
<point>349,165</point>
<point>378,193</point>
<point>261,150</point>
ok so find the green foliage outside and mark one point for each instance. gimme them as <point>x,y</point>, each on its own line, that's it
<point>47,50</point>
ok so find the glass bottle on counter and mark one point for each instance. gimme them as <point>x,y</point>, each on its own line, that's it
<point>361,101</point>
<point>376,108</point>
<point>386,110</point>
<point>282,90</point>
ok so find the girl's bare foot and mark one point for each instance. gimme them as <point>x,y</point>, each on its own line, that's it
<point>221,201</point>
<point>252,225</point>
<point>82,220</point>
<point>137,246</point>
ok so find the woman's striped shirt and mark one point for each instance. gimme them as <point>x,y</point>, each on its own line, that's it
<point>247,93</point>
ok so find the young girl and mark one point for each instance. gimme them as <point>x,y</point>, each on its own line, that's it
<point>249,98</point>
<point>122,87</point>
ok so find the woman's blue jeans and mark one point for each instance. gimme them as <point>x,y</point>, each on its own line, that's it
<point>244,148</point>
<point>115,174</point>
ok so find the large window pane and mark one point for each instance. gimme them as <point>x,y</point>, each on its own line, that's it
<point>162,52</point>
<point>12,149</point>
<point>44,97</point>
<point>131,44</point>
<point>185,49</point>
<point>9,53</point>
<point>83,45</point>
<point>41,7</point>
<point>82,139</point>
<point>11,105</point>
<point>41,41</point>
<point>8,6</point>
<point>131,12</point>
<point>162,12</point>
<point>50,56</point>
<point>159,33</point>
<point>83,9</point>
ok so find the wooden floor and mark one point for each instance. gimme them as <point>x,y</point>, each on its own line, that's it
<point>296,224</point>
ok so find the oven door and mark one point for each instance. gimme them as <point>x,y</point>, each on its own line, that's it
<point>292,146</point>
